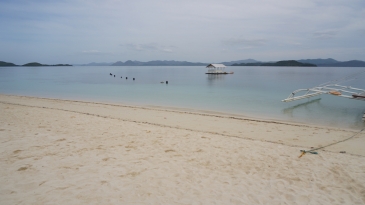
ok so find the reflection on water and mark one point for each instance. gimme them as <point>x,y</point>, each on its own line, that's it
<point>213,79</point>
<point>314,109</point>
<point>305,105</point>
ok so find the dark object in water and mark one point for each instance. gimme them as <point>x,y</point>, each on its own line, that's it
<point>358,96</point>
<point>133,78</point>
<point>111,74</point>
<point>121,76</point>
<point>126,78</point>
<point>167,82</point>
<point>114,76</point>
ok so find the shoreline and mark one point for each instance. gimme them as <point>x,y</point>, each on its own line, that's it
<point>216,118</point>
<point>192,111</point>
<point>60,151</point>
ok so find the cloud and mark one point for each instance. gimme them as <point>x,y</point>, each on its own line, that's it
<point>244,43</point>
<point>150,47</point>
<point>294,43</point>
<point>94,52</point>
<point>325,34</point>
<point>200,30</point>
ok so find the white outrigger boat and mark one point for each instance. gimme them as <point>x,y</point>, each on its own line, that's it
<point>331,88</point>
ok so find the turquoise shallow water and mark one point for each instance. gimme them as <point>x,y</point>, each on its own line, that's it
<point>250,91</point>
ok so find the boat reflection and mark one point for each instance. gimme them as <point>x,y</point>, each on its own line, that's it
<point>215,79</point>
<point>316,106</point>
<point>305,105</point>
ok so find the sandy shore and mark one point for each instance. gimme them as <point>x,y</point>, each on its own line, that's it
<point>71,152</point>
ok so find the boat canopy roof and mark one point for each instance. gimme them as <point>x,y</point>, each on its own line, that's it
<point>216,66</point>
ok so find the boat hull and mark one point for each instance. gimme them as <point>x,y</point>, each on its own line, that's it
<point>223,73</point>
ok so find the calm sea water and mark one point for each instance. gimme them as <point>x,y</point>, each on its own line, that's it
<point>250,91</point>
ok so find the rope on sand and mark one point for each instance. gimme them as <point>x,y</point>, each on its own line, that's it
<point>312,150</point>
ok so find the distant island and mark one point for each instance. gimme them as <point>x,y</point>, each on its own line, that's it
<point>34,64</point>
<point>248,62</point>
<point>291,63</point>
<point>329,62</point>
<point>5,64</point>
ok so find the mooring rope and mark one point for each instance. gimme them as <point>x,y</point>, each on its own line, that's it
<point>312,150</point>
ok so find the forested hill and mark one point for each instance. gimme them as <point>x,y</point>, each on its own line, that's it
<point>291,63</point>
<point>35,64</point>
<point>5,64</point>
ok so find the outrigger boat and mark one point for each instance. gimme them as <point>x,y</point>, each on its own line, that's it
<point>331,88</point>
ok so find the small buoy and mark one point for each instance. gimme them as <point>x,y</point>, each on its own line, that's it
<point>114,76</point>
<point>121,76</point>
<point>167,82</point>
<point>111,74</point>
<point>133,78</point>
<point>126,78</point>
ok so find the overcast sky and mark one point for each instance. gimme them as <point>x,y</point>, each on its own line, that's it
<point>84,31</point>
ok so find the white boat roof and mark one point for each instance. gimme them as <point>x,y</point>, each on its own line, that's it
<point>216,66</point>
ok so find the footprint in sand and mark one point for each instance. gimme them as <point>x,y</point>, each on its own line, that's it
<point>17,151</point>
<point>22,168</point>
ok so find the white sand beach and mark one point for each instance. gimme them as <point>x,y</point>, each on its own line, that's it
<point>70,152</point>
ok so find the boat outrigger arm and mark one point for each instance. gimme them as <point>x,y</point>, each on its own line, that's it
<point>332,89</point>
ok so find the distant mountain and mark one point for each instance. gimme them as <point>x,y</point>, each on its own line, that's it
<point>157,63</point>
<point>319,61</point>
<point>329,62</point>
<point>292,63</point>
<point>95,64</point>
<point>353,63</point>
<point>5,64</point>
<point>35,64</point>
<point>240,61</point>
<point>127,63</point>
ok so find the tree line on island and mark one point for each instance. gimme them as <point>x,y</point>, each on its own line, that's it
<point>34,64</point>
<point>292,63</point>
<point>329,62</point>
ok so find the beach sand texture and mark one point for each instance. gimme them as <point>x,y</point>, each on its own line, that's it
<point>72,152</point>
